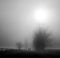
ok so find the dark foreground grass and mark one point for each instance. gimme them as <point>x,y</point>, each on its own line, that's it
<point>15,52</point>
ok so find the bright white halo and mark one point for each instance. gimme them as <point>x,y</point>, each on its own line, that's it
<point>41,15</point>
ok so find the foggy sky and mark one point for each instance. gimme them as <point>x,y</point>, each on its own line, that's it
<point>17,23</point>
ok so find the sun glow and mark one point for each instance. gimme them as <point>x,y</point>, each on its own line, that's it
<point>41,15</point>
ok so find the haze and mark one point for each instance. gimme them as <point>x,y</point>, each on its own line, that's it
<point>17,23</point>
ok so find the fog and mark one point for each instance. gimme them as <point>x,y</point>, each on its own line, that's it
<point>17,23</point>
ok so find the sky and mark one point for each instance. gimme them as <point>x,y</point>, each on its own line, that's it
<point>18,23</point>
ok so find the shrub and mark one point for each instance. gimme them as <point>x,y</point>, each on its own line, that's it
<point>19,45</point>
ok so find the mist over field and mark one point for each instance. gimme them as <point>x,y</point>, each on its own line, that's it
<point>18,24</point>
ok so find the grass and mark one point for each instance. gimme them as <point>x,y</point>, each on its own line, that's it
<point>16,51</point>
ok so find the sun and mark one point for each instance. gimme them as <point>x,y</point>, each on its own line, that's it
<point>41,15</point>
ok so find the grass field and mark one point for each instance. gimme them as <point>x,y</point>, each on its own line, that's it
<point>16,52</point>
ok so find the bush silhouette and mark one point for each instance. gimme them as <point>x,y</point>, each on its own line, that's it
<point>41,40</point>
<point>19,45</point>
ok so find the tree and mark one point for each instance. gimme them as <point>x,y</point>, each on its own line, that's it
<point>26,44</point>
<point>41,40</point>
<point>19,45</point>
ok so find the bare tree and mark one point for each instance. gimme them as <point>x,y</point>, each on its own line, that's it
<point>41,40</point>
<point>26,44</point>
